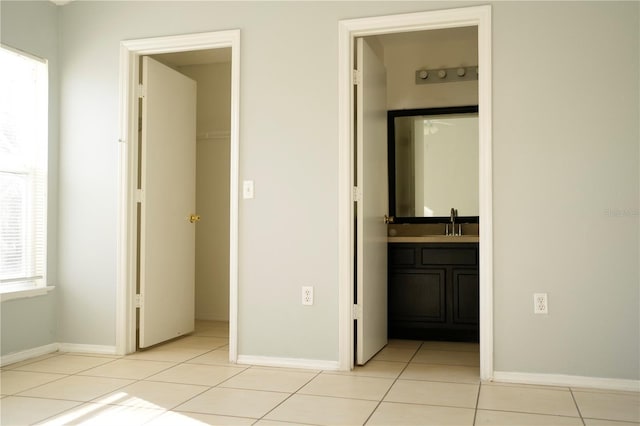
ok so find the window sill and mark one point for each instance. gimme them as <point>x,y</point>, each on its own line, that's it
<point>25,293</point>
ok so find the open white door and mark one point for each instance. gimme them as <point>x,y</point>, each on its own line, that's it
<point>371,135</point>
<point>167,234</point>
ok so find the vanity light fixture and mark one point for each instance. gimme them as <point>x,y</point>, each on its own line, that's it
<point>446,75</point>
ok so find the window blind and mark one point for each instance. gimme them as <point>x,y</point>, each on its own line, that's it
<point>23,169</point>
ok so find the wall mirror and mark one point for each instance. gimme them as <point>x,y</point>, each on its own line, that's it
<point>433,164</point>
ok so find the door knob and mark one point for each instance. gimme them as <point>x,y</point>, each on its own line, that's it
<point>194,218</point>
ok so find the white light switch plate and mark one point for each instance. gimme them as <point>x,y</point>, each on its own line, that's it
<point>247,189</point>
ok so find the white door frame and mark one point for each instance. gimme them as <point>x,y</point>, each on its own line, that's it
<point>130,52</point>
<point>479,16</point>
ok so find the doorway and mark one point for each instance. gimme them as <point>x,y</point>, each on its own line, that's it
<point>211,69</point>
<point>131,52</point>
<point>348,32</point>
<point>208,299</point>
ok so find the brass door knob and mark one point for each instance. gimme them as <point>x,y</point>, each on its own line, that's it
<point>194,218</point>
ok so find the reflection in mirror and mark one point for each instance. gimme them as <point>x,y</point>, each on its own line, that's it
<point>433,163</point>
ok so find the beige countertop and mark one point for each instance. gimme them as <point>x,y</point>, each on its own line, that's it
<point>435,239</point>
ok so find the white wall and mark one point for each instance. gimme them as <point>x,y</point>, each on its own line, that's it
<point>33,28</point>
<point>212,189</point>
<point>405,53</point>
<point>565,160</point>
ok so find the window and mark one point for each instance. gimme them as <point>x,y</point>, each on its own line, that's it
<point>23,170</point>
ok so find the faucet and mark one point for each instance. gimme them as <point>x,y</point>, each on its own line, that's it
<point>454,214</point>
<point>453,221</point>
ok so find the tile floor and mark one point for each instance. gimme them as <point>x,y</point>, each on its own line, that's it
<point>190,382</point>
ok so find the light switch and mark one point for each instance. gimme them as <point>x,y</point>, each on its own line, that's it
<point>247,189</point>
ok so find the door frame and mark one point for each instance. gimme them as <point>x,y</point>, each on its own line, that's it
<point>348,30</point>
<point>130,52</point>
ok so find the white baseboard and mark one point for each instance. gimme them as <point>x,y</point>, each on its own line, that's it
<point>267,361</point>
<point>567,380</point>
<point>87,349</point>
<point>29,353</point>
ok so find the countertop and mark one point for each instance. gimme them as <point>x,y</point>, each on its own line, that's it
<point>435,239</point>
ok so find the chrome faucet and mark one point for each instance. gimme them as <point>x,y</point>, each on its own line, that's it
<point>453,221</point>
<point>454,213</point>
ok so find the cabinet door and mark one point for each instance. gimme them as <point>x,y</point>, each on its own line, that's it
<point>418,295</point>
<point>466,296</point>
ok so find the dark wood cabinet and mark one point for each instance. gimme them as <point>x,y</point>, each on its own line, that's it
<point>434,291</point>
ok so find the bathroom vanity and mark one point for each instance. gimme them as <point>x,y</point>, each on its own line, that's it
<point>433,290</point>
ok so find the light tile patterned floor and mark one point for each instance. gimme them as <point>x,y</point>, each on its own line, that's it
<point>190,382</point>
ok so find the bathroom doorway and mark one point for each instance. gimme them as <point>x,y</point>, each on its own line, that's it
<point>349,31</point>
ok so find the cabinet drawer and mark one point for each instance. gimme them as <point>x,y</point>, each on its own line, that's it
<point>402,256</point>
<point>449,256</point>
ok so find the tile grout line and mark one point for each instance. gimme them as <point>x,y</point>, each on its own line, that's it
<point>36,386</point>
<point>534,413</point>
<point>577,408</point>
<point>475,412</point>
<point>63,411</point>
<point>392,384</point>
<point>290,395</point>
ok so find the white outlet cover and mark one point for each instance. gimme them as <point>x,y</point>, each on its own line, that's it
<point>247,189</point>
<point>307,296</point>
<point>540,303</point>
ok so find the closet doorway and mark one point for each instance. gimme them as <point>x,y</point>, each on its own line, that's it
<point>212,60</point>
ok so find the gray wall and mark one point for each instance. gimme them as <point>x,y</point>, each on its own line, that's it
<point>566,176</point>
<point>33,28</point>
<point>565,162</point>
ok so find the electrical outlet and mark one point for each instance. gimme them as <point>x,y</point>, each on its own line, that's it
<point>540,305</point>
<point>307,296</point>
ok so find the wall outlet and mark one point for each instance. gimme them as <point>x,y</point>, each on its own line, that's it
<point>540,305</point>
<point>307,296</point>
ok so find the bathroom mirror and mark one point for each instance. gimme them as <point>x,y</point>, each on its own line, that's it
<point>433,164</point>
